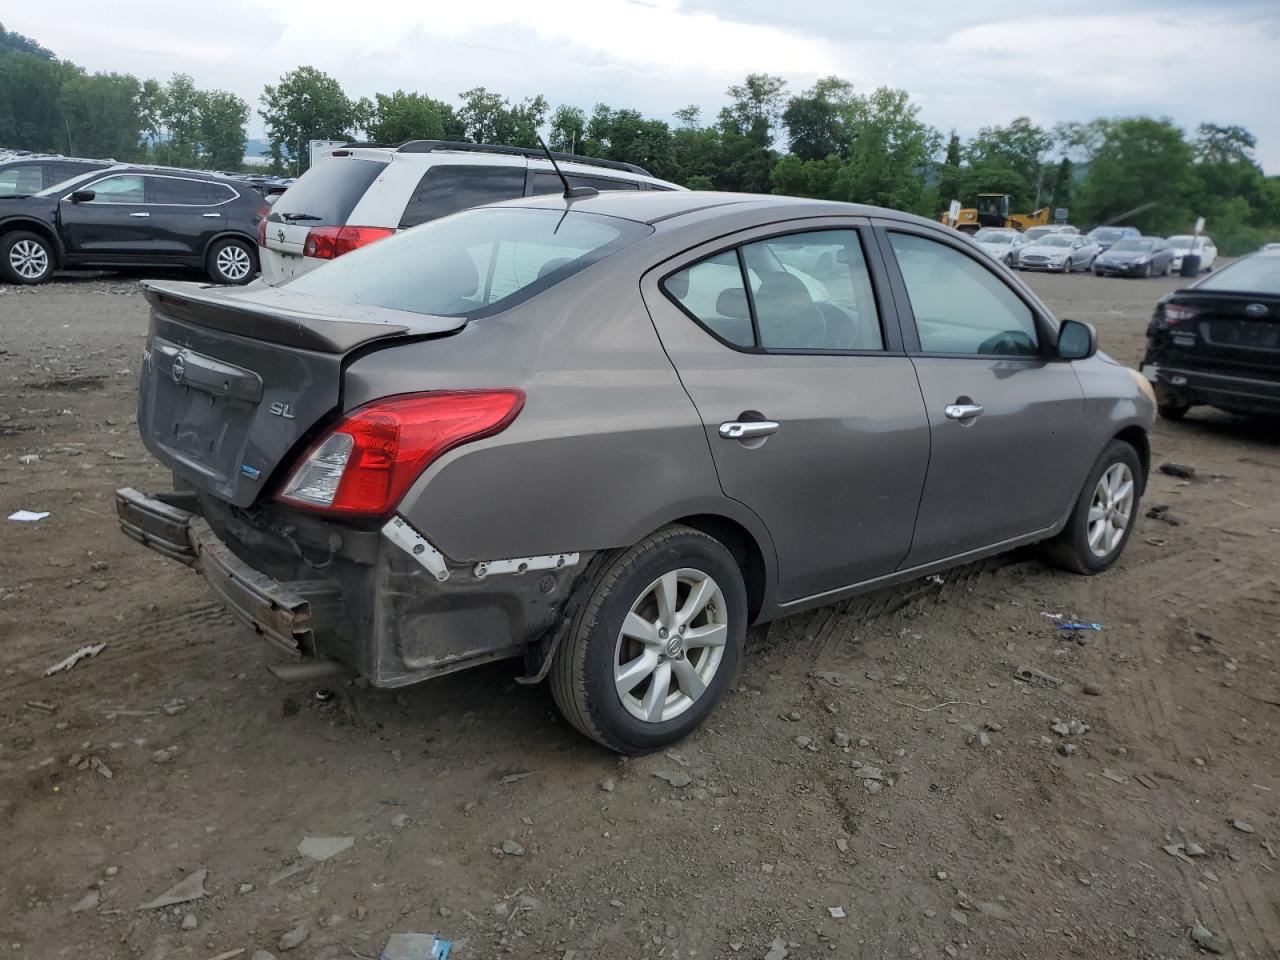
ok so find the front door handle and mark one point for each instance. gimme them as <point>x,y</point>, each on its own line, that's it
<point>963,411</point>
<point>210,214</point>
<point>746,429</point>
<point>140,214</point>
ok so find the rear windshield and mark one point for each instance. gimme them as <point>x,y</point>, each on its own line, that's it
<point>1256,274</point>
<point>473,263</point>
<point>326,194</point>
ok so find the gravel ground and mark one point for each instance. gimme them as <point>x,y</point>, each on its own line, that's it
<point>877,785</point>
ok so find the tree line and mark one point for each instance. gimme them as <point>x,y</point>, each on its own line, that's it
<point>828,141</point>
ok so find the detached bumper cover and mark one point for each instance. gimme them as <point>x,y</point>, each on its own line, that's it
<point>281,613</point>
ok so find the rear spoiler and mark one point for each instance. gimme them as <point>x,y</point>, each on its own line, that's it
<point>277,315</point>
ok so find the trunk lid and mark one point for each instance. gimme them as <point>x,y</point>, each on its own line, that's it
<point>232,380</point>
<point>1236,331</point>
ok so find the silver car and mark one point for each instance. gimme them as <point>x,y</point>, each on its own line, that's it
<point>604,435</point>
<point>1002,244</point>
<point>1062,252</point>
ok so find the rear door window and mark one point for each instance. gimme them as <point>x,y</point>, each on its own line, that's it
<point>803,292</point>
<point>446,189</point>
<point>544,182</point>
<point>175,191</point>
<point>20,179</point>
<point>326,194</point>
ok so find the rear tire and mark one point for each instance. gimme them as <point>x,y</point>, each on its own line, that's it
<point>1173,409</point>
<point>232,261</point>
<point>1098,529</point>
<point>657,583</point>
<point>26,258</point>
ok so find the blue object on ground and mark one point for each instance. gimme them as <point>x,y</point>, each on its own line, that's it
<point>416,946</point>
<point>1079,626</point>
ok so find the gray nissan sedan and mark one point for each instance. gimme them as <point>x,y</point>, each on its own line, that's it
<point>606,434</point>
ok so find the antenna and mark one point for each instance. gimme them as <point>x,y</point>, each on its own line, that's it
<point>570,193</point>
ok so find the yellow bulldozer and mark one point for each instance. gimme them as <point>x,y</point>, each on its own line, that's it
<point>992,210</point>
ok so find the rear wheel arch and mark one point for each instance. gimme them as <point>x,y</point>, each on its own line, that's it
<point>746,551</point>
<point>40,228</point>
<point>228,235</point>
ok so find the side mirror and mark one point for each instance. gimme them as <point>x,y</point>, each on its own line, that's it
<point>1076,340</point>
<point>82,196</point>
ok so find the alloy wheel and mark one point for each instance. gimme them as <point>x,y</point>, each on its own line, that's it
<point>670,646</point>
<point>29,259</point>
<point>233,262</point>
<point>1111,510</point>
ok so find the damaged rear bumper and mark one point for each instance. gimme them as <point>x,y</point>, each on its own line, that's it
<point>282,613</point>
<point>384,602</point>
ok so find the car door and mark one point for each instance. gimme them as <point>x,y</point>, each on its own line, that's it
<point>1004,416</point>
<point>810,406</point>
<point>114,225</point>
<point>183,216</point>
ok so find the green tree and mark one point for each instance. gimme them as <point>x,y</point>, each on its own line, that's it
<point>817,120</point>
<point>488,117</point>
<point>404,116</point>
<point>30,107</point>
<point>14,42</point>
<point>568,129</point>
<point>1140,162</point>
<point>748,126</point>
<point>223,121</point>
<point>101,114</point>
<point>307,104</point>
<point>179,105</point>
<point>889,152</point>
<point>949,182</point>
<point>997,152</point>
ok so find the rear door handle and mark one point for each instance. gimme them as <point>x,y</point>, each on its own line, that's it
<point>140,214</point>
<point>963,411</point>
<point>746,429</point>
<point>210,214</point>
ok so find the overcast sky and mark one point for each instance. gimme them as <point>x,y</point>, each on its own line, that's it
<point>968,63</point>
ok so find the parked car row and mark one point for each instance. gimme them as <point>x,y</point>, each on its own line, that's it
<point>1106,251</point>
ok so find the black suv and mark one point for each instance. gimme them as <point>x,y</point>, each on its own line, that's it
<point>133,216</point>
<point>23,175</point>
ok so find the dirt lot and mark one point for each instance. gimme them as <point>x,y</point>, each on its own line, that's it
<point>175,751</point>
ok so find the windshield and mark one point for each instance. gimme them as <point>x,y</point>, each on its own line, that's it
<point>1035,233</point>
<point>994,236</point>
<point>1256,274</point>
<point>66,186</point>
<point>1052,241</point>
<point>473,263</point>
<point>1107,233</point>
<point>1133,243</point>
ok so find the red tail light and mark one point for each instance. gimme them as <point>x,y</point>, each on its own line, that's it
<point>326,243</point>
<point>364,465</point>
<point>1175,313</point>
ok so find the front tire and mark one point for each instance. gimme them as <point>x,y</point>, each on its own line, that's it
<point>232,261</point>
<point>1066,265</point>
<point>26,258</point>
<point>1173,409</point>
<point>1104,515</point>
<point>655,644</point>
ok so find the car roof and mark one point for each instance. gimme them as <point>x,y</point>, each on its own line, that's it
<point>172,172</point>
<point>654,206</point>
